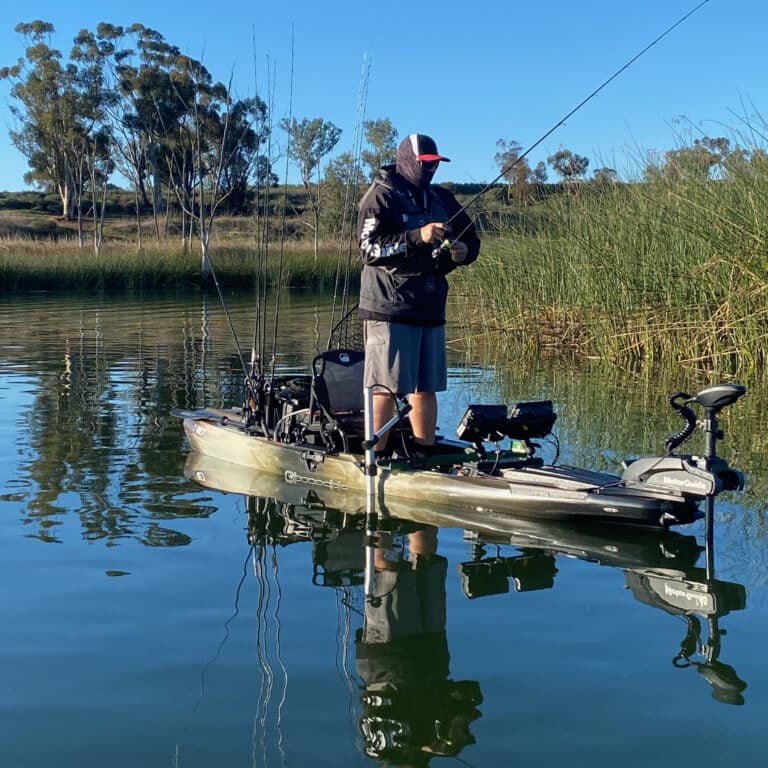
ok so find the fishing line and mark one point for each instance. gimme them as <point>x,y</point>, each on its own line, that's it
<point>262,245</point>
<point>507,168</point>
<point>279,655</point>
<point>256,349</point>
<point>261,715</point>
<point>228,316</point>
<point>249,375</point>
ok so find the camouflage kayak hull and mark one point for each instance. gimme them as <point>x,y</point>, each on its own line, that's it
<point>559,493</point>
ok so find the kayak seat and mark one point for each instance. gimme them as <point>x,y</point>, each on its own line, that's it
<point>336,397</point>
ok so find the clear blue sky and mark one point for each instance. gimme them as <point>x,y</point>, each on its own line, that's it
<point>466,73</point>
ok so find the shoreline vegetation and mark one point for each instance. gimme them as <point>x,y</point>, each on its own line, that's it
<point>670,267</point>
<point>669,270</point>
<point>665,270</point>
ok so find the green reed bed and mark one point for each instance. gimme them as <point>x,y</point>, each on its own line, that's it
<point>661,270</point>
<point>42,264</point>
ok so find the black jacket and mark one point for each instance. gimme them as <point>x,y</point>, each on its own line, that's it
<point>402,281</point>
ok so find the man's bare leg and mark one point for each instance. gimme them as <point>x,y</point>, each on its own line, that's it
<point>383,411</point>
<point>423,416</point>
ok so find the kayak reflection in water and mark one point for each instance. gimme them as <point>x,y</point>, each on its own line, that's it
<point>411,709</point>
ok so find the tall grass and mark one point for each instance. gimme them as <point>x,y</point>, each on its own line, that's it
<point>672,269</point>
<point>37,263</point>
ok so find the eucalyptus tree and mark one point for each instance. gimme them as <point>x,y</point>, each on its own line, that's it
<point>49,112</point>
<point>113,49</point>
<point>309,141</point>
<point>153,111</point>
<point>129,100</point>
<point>245,130</point>
<point>95,143</point>
<point>697,161</point>
<point>263,173</point>
<point>187,133</point>
<point>214,148</point>
<point>194,165</point>
<point>605,176</point>
<point>149,113</point>
<point>568,165</point>
<point>382,139</point>
<point>516,170</point>
<point>342,188</point>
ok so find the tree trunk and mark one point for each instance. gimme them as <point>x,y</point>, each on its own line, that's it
<point>317,234</point>
<point>157,193</point>
<point>98,217</point>
<point>137,204</point>
<point>80,235</point>
<point>67,197</point>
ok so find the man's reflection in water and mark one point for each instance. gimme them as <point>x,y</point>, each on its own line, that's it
<point>411,709</point>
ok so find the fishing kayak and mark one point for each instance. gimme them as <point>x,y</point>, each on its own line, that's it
<point>657,492</point>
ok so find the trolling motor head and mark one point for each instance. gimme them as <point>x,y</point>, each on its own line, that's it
<point>712,400</point>
<point>690,595</point>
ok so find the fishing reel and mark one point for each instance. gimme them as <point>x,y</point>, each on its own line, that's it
<point>444,248</point>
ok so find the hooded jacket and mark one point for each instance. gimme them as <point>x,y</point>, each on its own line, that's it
<point>402,281</point>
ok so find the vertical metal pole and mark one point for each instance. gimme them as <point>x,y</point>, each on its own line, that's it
<point>370,501</point>
<point>709,536</point>
<point>710,434</point>
<point>710,451</point>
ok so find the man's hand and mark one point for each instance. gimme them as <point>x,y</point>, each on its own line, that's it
<point>434,232</point>
<point>459,252</point>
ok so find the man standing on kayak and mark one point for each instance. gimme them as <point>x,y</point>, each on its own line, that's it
<point>411,234</point>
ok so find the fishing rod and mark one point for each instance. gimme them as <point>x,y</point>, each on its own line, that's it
<point>254,405</point>
<point>507,168</point>
<point>350,193</point>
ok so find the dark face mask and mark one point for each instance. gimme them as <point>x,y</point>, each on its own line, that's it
<point>419,173</point>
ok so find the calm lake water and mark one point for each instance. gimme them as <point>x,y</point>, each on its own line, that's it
<point>149,620</point>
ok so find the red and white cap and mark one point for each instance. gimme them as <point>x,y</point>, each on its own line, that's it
<point>424,148</point>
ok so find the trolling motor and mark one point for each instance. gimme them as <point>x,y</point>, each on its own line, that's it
<point>688,475</point>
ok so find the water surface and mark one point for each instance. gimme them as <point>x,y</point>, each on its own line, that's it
<point>150,620</point>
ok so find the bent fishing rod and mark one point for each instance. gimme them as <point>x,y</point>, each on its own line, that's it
<point>507,168</point>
